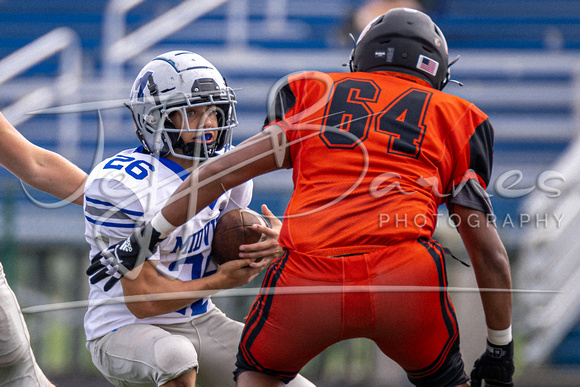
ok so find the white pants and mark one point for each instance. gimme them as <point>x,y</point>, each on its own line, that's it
<point>151,355</point>
<point>18,367</point>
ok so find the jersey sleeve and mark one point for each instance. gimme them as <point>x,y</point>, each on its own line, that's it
<point>298,98</point>
<point>112,212</point>
<point>281,101</point>
<point>297,105</point>
<point>473,171</point>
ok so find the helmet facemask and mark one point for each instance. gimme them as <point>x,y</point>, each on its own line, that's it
<point>208,140</point>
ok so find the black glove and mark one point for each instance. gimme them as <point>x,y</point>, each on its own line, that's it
<point>495,366</point>
<point>121,258</point>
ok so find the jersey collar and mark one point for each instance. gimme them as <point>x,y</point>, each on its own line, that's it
<point>172,165</point>
<point>406,77</point>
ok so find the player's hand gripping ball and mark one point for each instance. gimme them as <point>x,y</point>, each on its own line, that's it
<point>234,228</point>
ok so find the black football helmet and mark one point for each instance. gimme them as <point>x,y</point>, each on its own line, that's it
<point>403,40</point>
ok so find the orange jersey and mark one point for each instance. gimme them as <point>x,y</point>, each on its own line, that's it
<point>374,155</point>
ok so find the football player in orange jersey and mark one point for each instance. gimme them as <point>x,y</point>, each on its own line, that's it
<point>374,153</point>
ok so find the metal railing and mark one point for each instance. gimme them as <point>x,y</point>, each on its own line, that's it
<point>64,42</point>
<point>549,257</point>
<point>119,47</point>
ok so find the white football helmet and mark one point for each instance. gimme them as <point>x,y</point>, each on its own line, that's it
<point>176,81</point>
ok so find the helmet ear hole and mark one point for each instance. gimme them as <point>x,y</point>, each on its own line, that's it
<point>169,124</point>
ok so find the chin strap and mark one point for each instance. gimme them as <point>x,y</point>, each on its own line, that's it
<point>190,148</point>
<point>451,64</point>
<point>349,64</point>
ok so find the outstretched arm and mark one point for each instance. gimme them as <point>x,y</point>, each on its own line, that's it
<point>262,153</point>
<point>492,272</point>
<point>38,167</point>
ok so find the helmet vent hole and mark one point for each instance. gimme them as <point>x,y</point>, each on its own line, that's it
<point>379,20</point>
<point>427,49</point>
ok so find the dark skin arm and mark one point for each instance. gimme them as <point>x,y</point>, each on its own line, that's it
<point>262,153</point>
<point>268,247</point>
<point>490,264</point>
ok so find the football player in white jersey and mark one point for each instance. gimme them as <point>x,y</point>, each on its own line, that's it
<point>49,172</point>
<point>184,113</point>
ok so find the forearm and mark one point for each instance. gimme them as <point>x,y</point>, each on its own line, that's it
<point>54,174</point>
<point>493,275</point>
<point>38,167</point>
<point>193,195</point>
<point>254,157</point>
<point>491,266</point>
<point>151,294</point>
<point>157,294</point>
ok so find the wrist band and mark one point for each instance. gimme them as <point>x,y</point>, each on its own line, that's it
<point>162,225</point>
<point>500,337</point>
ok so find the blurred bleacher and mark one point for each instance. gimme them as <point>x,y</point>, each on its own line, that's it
<point>512,24</point>
<point>519,64</point>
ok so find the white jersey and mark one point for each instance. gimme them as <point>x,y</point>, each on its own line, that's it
<point>121,194</point>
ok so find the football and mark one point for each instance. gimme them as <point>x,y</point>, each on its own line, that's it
<point>234,228</point>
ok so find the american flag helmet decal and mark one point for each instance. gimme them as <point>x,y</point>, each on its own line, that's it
<point>427,64</point>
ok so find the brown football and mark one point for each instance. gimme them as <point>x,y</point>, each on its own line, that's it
<point>234,228</point>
